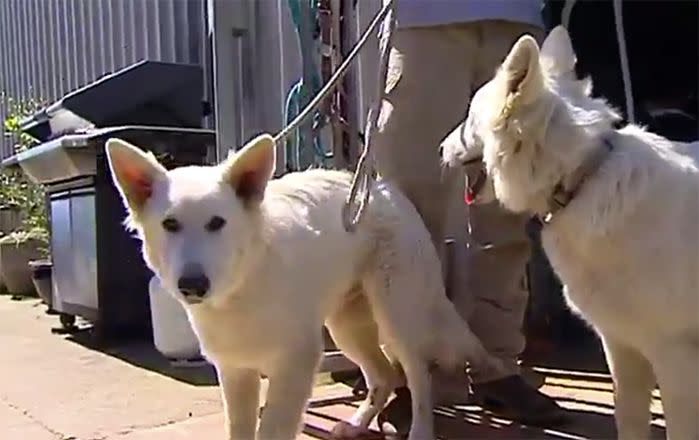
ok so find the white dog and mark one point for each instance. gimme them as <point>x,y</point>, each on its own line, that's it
<point>261,265</point>
<point>621,225</point>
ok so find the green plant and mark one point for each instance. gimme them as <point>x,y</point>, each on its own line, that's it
<point>12,189</point>
<point>17,191</point>
<point>16,112</point>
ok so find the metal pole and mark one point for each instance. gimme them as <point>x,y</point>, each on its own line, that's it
<point>308,70</point>
<point>349,104</point>
<point>227,22</point>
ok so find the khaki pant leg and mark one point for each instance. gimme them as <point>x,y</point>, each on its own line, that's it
<point>494,284</point>
<point>493,291</point>
<point>428,89</point>
<point>432,73</point>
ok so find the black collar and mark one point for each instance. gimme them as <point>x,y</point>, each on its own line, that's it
<point>562,196</point>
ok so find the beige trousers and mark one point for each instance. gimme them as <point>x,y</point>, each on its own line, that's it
<point>433,72</point>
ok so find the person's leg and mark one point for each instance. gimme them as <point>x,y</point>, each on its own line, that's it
<point>498,296</point>
<point>493,292</point>
<point>493,285</point>
<point>431,78</point>
<point>428,89</point>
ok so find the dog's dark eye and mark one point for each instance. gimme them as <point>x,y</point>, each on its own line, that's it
<point>171,225</point>
<point>215,224</point>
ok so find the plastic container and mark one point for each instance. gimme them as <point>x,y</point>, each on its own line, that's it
<point>41,277</point>
<point>172,334</point>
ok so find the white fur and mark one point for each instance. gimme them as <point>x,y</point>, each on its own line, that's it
<point>281,268</point>
<point>627,246</point>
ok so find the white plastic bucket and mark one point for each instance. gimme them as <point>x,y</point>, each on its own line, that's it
<point>172,334</point>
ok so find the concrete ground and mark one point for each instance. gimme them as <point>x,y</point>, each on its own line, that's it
<point>56,387</point>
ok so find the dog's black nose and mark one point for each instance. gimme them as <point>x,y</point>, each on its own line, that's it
<point>196,285</point>
<point>193,282</point>
<point>441,151</point>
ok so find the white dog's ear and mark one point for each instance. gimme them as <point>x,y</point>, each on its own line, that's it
<point>249,169</point>
<point>523,78</point>
<point>133,172</point>
<point>557,54</point>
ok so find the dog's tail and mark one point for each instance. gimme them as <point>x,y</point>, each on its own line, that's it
<point>457,346</point>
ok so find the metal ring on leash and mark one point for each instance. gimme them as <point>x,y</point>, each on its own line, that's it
<point>360,181</point>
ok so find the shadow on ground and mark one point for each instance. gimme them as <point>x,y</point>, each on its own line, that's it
<point>578,379</point>
<point>144,355</point>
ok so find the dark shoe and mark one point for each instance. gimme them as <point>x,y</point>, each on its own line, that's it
<point>394,420</point>
<point>516,399</point>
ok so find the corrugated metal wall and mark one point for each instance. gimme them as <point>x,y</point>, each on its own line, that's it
<point>50,47</point>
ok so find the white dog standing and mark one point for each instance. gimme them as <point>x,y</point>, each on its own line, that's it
<point>260,265</point>
<point>621,227</point>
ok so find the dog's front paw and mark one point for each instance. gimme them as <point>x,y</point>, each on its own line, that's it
<point>347,431</point>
